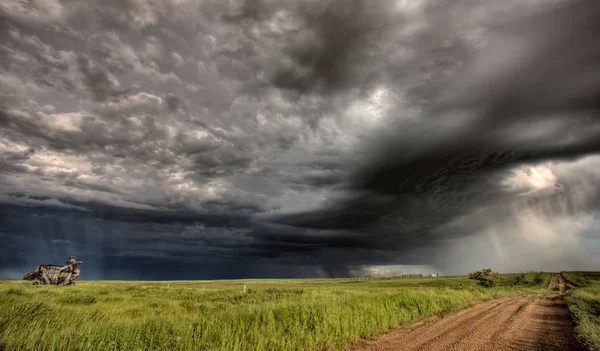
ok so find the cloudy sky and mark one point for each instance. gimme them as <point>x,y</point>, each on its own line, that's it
<point>184,139</point>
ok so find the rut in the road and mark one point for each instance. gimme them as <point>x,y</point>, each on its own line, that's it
<point>518,323</point>
<point>562,283</point>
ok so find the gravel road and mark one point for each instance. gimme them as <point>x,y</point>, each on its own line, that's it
<point>528,323</point>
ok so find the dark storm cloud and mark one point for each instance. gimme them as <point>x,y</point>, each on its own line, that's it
<point>295,139</point>
<point>427,173</point>
<point>546,83</point>
<point>565,82</point>
<point>123,250</point>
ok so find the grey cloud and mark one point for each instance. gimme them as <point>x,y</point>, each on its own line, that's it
<point>28,201</point>
<point>174,102</point>
<point>336,52</point>
<point>98,81</point>
<point>328,43</point>
<point>226,161</point>
<point>428,173</point>
<point>16,156</point>
<point>271,140</point>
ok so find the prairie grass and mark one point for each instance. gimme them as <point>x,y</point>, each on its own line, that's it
<point>583,300</point>
<point>299,314</point>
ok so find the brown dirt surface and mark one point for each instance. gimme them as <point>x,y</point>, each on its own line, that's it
<point>562,283</point>
<point>525,323</point>
<point>555,282</point>
<point>559,283</point>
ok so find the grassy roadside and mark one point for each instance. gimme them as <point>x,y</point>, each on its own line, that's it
<point>583,300</point>
<point>309,314</point>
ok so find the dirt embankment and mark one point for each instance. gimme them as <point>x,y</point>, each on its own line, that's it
<point>517,323</point>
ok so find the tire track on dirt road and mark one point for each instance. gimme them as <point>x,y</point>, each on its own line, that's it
<point>525,323</point>
<point>562,283</point>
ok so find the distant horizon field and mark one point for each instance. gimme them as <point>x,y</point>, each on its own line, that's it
<point>83,277</point>
<point>273,314</point>
<point>80,279</point>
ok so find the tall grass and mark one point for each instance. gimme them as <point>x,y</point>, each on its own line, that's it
<point>583,300</point>
<point>310,314</point>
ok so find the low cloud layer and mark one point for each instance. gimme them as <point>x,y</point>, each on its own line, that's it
<point>276,138</point>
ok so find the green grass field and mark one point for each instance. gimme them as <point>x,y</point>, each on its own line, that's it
<point>303,314</point>
<point>583,299</point>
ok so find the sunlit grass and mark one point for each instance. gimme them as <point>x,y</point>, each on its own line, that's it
<point>303,314</point>
<point>584,303</point>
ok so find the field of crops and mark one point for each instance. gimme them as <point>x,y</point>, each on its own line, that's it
<point>583,300</point>
<point>301,314</point>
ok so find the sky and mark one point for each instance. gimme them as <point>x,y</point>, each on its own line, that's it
<point>211,139</point>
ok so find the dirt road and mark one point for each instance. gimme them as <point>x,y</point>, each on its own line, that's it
<point>559,283</point>
<point>516,323</point>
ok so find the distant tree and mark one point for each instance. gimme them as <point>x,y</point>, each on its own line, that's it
<point>485,277</point>
<point>518,278</point>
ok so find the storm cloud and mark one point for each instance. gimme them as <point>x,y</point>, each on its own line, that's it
<point>280,138</point>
